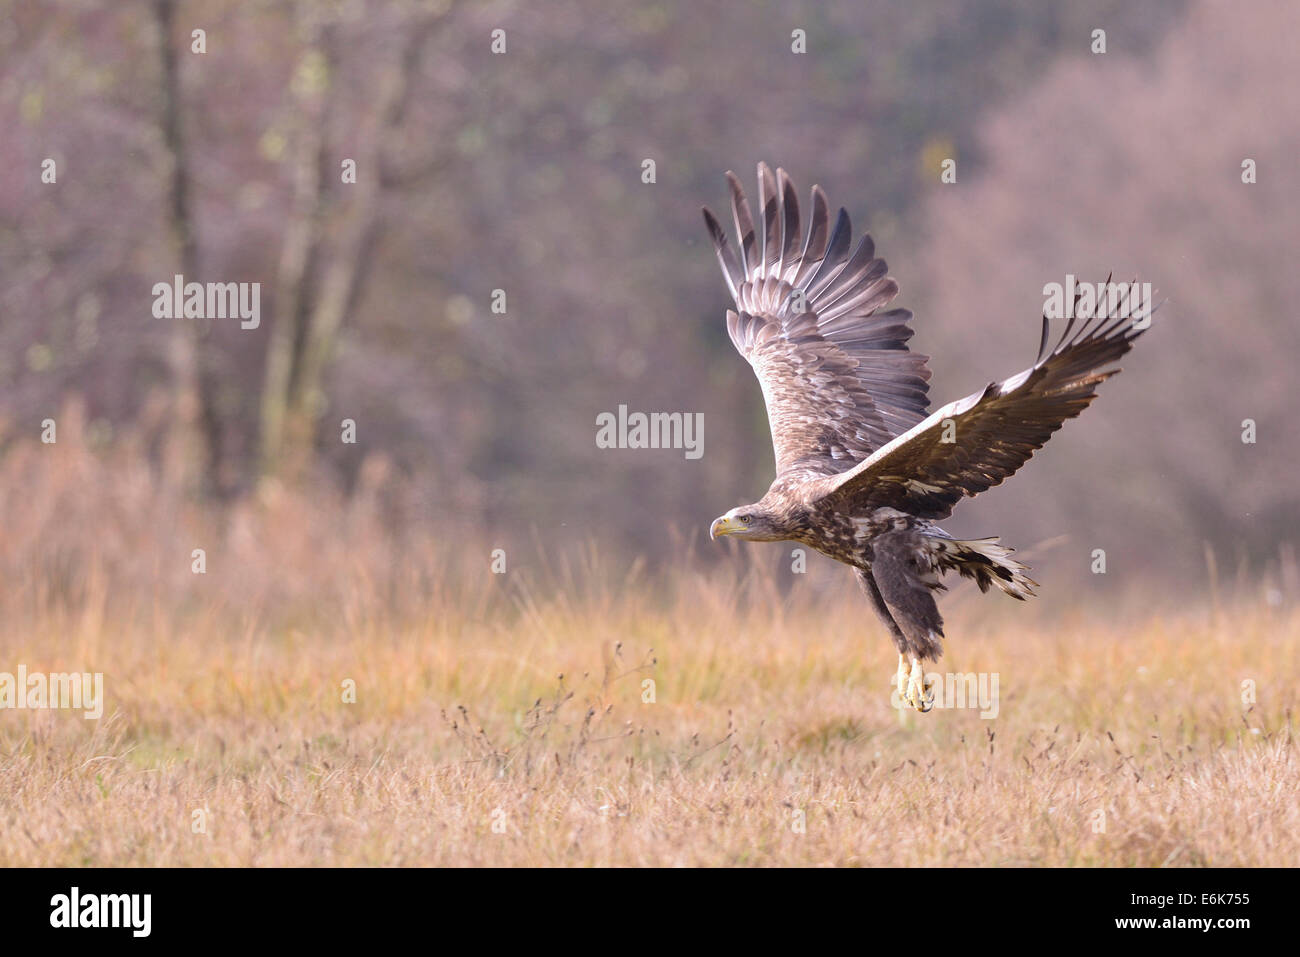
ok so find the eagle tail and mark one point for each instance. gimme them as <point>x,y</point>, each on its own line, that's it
<point>987,562</point>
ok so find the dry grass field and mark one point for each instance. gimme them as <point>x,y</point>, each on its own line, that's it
<point>501,720</point>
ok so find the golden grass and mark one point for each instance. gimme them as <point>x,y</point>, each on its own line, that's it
<point>758,713</point>
<point>224,694</point>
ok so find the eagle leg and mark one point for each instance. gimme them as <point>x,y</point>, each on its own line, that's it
<point>910,678</point>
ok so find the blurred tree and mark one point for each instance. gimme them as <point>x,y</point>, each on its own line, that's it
<point>192,446</point>
<point>319,288</point>
<point>520,171</point>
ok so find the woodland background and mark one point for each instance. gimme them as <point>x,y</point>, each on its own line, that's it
<point>522,171</point>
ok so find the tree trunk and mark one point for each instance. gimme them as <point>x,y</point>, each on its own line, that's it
<point>191,446</point>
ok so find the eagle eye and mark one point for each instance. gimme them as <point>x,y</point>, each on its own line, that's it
<point>745,519</point>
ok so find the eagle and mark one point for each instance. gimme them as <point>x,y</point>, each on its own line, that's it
<point>863,473</point>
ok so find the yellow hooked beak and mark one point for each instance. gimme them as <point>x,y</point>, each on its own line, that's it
<point>722,526</point>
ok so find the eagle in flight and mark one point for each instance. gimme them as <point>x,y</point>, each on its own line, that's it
<point>862,472</point>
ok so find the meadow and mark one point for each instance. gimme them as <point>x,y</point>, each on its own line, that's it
<point>584,711</point>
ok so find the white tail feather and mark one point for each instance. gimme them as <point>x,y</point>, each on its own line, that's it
<point>986,561</point>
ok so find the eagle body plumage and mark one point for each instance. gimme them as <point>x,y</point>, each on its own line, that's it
<point>863,472</point>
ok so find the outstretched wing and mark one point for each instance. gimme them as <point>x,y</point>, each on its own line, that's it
<point>974,443</point>
<point>837,377</point>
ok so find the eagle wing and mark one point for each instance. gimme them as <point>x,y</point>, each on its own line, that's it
<point>975,443</point>
<point>836,373</point>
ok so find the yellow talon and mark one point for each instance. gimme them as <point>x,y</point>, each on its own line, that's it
<point>919,692</point>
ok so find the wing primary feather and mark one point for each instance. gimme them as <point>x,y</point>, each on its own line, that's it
<point>731,270</point>
<point>770,200</point>
<point>858,267</point>
<point>814,248</point>
<point>1068,326</point>
<point>744,220</point>
<point>789,224</point>
<point>1117,321</point>
<point>836,251</point>
<point>862,267</point>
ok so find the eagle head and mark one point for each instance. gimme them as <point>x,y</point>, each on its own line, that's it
<point>752,522</point>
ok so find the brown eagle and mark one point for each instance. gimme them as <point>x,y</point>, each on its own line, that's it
<point>862,473</point>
